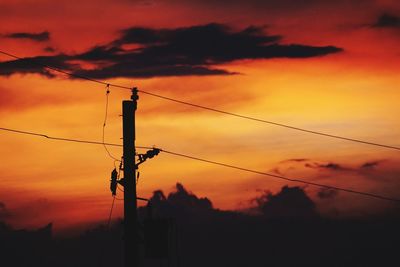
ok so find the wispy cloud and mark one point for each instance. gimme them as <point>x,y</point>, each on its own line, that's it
<point>327,193</point>
<point>38,37</point>
<point>387,20</point>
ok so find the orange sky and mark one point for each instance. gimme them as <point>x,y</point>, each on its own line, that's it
<point>352,93</point>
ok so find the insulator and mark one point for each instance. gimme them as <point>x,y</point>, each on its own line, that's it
<point>113,182</point>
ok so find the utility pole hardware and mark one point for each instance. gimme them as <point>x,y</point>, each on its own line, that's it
<point>130,204</point>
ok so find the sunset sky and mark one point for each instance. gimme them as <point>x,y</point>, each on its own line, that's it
<point>328,66</point>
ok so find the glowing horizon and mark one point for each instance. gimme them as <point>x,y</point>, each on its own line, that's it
<point>351,93</point>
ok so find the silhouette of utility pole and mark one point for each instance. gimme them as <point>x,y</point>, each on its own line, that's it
<point>130,202</point>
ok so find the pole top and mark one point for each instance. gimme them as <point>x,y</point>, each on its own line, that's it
<point>135,95</point>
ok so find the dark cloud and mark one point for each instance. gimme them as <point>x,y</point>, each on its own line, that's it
<point>32,210</point>
<point>212,36</point>
<point>179,203</point>
<point>295,160</point>
<point>316,165</point>
<point>327,193</point>
<point>276,170</point>
<point>332,166</point>
<point>196,50</point>
<point>329,166</point>
<point>181,197</point>
<point>301,163</point>
<point>339,167</point>
<point>3,211</point>
<point>288,224</point>
<point>39,37</point>
<point>387,20</point>
<point>49,49</point>
<point>361,169</point>
<point>369,165</point>
<point>125,70</point>
<point>34,65</point>
<point>290,202</point>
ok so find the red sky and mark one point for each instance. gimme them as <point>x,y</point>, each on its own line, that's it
<point>351,93</point>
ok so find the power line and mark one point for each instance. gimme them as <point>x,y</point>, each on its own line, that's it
<point>68,139</point>
<point>281,177</point>
<point>63,71</point>
<point>204,107</point>
<point>105,123</point>
<point>268,122</point>
<point>59,138</point>
<point>215,163</point>
<point>110,214</point>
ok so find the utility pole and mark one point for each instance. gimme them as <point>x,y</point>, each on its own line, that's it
<point>130,202</point>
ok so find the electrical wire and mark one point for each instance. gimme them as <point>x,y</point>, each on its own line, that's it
<point>208,108</point>
<point>62,71</point>
<point>382,197</point>
<point>268,122</point>
<point>111,210</point>
<point>59,138</point>
<point>281,177</point>
<point>104,126</point>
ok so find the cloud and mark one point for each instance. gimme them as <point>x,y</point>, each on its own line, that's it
<point>387,20</point>
<point>290,202</point>
<point>197,50</point>
<point>339,167</point>
<point>34,65</point>
<point>3,211</point>
<point>38,37</point>
<point>180,202</point>
<point>327,193</point>
<point>295,160</point>
<point>330,166</point>
<point>181,197</point>
<point>362,169</point>
<point>370,165</point>
<point>214,36</point>
<point>308,163</point>
<point>49,49</point>
<point>32,210</point>
<point>276,170</point>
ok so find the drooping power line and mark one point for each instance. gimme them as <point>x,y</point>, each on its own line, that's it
<point>104,125</point>
<point>383,197</point>
<point>204,107</point>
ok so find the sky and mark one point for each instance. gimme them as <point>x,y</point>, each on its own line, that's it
<point>328,66</point>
